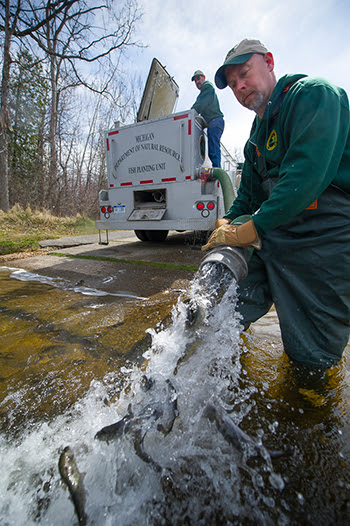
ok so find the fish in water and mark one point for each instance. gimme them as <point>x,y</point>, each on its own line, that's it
<point>163,412</point>
<point>115,430</point>
<point>234,434</point>
<point>196,313</point>
<point>169,410</point>
<point>140,450</point>
<point>128,423</point>
<point>146,383</point>
<point>74,480</point>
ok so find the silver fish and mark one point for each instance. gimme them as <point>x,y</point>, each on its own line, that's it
<point>229,430</point>
<point>196,313</point>
<point>140,450</point>
<point>74,480</point>
<point>234,434</point>
<point>169,410</point>
<point>115,430</point>
<point>163,412</point>
<point>146,383</point>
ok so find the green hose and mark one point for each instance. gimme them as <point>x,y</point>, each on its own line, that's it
<point>226,185</point>
<point>229,196</point>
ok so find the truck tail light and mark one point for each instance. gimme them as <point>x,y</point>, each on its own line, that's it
<point>103,209</point>
<point>211,205</point>
<point>110,209</point>
<point>200,206</point>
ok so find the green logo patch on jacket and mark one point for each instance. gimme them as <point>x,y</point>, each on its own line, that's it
<point>272,140</point>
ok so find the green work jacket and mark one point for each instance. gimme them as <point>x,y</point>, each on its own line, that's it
<point>297,150</point>
<point>207,103</point>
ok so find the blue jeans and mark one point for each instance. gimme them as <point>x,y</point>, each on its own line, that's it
<point>215,130</point>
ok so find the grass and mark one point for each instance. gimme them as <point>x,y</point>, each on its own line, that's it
<point>21,229</point>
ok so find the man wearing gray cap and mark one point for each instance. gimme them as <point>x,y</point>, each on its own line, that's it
<point>295,190</point>
<point>208,106</point>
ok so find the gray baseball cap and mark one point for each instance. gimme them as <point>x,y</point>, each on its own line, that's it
<point>197,73</point>
<point>238,55</point>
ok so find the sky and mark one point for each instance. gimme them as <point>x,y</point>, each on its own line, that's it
<point>304,36</point>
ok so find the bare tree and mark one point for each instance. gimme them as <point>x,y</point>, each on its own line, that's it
<point>28,99</point>
<point>70,33</point>
<point>17,22</point>
<point>77,37</point>
<point>99,113</point>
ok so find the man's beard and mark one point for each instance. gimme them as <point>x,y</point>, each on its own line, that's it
<point>255,102</point>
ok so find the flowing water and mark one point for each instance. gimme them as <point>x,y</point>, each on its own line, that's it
<point>74,361</point>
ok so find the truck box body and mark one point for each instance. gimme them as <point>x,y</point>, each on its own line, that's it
<point>153,171</point>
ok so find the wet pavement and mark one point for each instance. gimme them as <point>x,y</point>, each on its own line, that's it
<point>124,265</point>
<point>72,364</point>
<point>128,265</point>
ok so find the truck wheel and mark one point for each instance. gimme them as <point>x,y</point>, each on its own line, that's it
<point>157,236</point>
<point>141,235</point>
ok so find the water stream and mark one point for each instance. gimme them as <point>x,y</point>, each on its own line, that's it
<point>72,364</point>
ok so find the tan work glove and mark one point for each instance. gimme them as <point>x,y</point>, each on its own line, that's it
<point>238,236</point>
<point>222,221</point>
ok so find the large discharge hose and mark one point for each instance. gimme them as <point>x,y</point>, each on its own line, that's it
<point>223,263</point>
<point>235,259</point>
<point>215,274</point>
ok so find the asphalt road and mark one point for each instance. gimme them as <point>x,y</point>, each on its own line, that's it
<point>124,265</point>
<point>128,266</point>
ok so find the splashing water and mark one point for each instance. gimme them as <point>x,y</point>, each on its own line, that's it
<point>24,275</point>
<point>202,478</point>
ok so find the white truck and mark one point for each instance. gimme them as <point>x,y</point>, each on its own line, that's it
<point>154,169</point>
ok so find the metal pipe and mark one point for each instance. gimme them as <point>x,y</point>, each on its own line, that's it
<point>233,258</point>
<point>218,269</point>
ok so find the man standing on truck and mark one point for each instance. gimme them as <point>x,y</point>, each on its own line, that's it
<point>207,105</point>
<point>295,187</point>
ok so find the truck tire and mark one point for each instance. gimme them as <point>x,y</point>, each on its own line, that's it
<point>157,236</point>
<point>141,235</point>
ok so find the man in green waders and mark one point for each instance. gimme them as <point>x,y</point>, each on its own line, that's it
<point>296,187</point>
